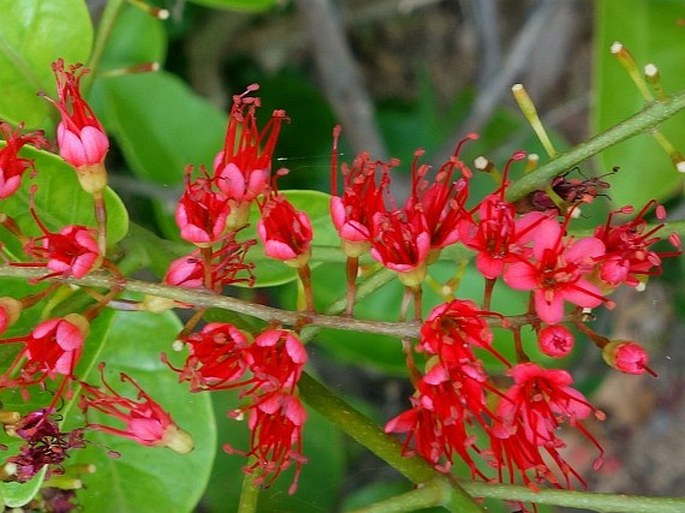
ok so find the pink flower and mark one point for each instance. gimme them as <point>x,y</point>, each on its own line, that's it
<point>202,211</point>
<point>12,166</point>
<point>557,273</point>
<point>187,271</point>
<point>353,211</point>
<point>217,357</point>
<point>144,421</point>
<point>242,169</point>
<point>497,236</point>
<point>401,242</point>
<point>286,233</point>
<point>81,138</point>
<point>555,341</point>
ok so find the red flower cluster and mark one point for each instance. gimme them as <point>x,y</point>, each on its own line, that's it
<point>455,398</point>
<point>267,370</point>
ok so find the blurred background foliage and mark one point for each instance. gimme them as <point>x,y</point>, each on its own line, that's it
<point>398,75</point>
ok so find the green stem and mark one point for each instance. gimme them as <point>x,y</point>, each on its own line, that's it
<point>249,494</point>
<point>604,502</point>
<point>367,433</point>
<point>434,493</point>
<point>648,118</point>
<point>104,31</point>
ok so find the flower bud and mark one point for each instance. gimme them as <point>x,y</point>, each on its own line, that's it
<point>555,341</point>
<point>626,356</point>
<point>10,310</point>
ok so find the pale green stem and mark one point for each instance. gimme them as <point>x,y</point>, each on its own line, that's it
<point>249,494</point>
<point>649,117</point>
<point>434,493</point>
<point>104,31</point>
<point>604,502</point>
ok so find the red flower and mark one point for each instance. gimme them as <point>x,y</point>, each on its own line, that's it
<point>442,201</point>
<point>400,241</point>
<point>529,416</point>
<point>451,331</point>
<point>81,138</point>
<point>557,274</point>
<point>276,359</point>
<point>362,198</point>
<point>242,169</point>
<point>286,233</point>
<point>276,441</point>
<point>202,211</point>
<point>217,357</point>
<point>628,255</point>
<point>71,252</point>
<point>144,420</point>
<point>437,423</point>
<point>12,166</point>
<point>52,348</point>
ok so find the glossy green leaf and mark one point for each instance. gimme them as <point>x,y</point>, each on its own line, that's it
<point>162,126</point>
<point>239,5</point>
<point>146,479</point>
<point>60,201</point>
<point>33,34</point>
<point>649,30</point>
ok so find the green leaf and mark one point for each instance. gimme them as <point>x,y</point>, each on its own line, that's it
<point>33,34</point>
<point>162,126</point>
<point>136,38</point>
<point>60,201</point>
<point>146,479</point>
<point>239,5</point>
<point>651,33</point>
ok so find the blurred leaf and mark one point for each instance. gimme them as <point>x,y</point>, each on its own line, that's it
<point>136,38</point>
<point>649,30</point>
<point>60,201</point>
<point>145,479</point>
<point>33,34</point>
<point>162,126</point>
<point>239,5</point>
